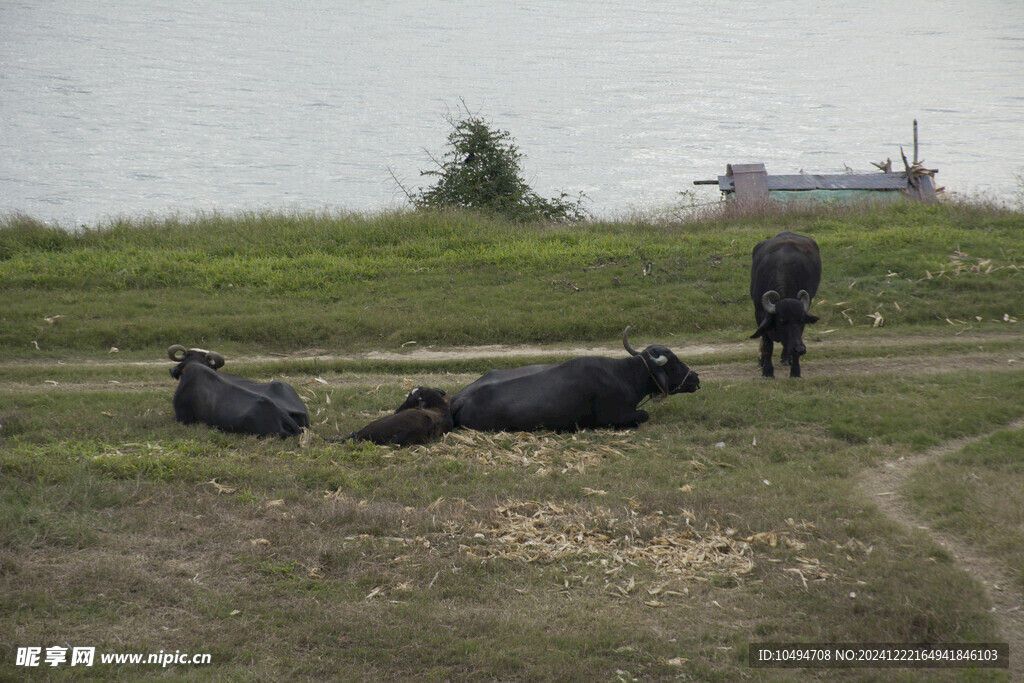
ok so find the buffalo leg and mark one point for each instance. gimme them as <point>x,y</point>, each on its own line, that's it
<point>765,359</point>
<point>631,420</point>
<point>623,421</point>
<point>794,366</point>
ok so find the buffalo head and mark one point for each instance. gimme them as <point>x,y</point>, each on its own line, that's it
<point>423,397</point>
<point>783,321</point>
<point>671,375</point>
<point>182,356</point>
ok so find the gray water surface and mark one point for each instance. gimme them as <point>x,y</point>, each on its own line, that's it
<point>111,108</point>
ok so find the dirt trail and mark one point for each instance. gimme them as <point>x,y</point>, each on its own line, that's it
<point>890,348</point>
<point>701,359</point>
<point>883,486</point>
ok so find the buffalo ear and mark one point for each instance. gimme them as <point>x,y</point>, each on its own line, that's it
<point>768,321</point>
<point>808,318</point>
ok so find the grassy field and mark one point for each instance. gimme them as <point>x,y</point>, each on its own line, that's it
<point>273,282</point>
<point>733,517</point>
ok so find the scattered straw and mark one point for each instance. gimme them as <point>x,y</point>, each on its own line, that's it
<point>547,533</point>
<point>961,263</point>
<point>624,543</point>
<point>544,452</point>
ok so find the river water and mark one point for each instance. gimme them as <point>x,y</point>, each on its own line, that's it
<point>121,108</point>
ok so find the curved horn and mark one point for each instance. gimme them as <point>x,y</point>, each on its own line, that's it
<point>625,342</point>
<point>805,298</point>
<point>659,360</point>
<point>768,300</point>
<point>216,359</point>
<point>176,352</point>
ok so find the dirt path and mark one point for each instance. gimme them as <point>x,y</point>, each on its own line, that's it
<point>891,348</point>
<point>711,369</point>
<point>883,486</point>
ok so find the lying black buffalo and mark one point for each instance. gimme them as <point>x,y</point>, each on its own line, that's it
<point>581,393</point>
<point>784,277</point>
<point>423,417</point>
<point>229,402</point>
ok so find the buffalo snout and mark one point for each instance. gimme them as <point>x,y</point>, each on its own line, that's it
<point>690,383</point>
<point>792,350</point>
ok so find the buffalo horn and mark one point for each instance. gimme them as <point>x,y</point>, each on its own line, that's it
<point>805,298</point>
<point>659,360</point>
<point>216,359</point>
<point>768,300</point>
<point>625,341</point>
<point>176,352</point>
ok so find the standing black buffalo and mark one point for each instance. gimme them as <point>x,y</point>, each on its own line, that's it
<point>229,402</point>
<point>783,280</point>
<point>581,393</point>
<point>423,417</point>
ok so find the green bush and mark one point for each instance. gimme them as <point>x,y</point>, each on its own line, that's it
<point>481,171</point>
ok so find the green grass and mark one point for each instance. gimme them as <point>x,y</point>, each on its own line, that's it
<point>349,281</point>
<point>123,530</point>
<point>112,531</point>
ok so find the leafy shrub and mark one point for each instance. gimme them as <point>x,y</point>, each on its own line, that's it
<point>481,171</point>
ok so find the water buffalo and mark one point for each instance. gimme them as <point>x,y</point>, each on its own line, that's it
<point>581,393</point>
<point>229,402</point>
<point>784,278</point>
<point>422,417</point>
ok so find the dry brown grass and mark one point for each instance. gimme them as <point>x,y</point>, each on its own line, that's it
<point>539,451</point>
<point>546,532</point>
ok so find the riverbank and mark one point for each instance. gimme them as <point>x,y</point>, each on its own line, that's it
<point>271,282</point>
